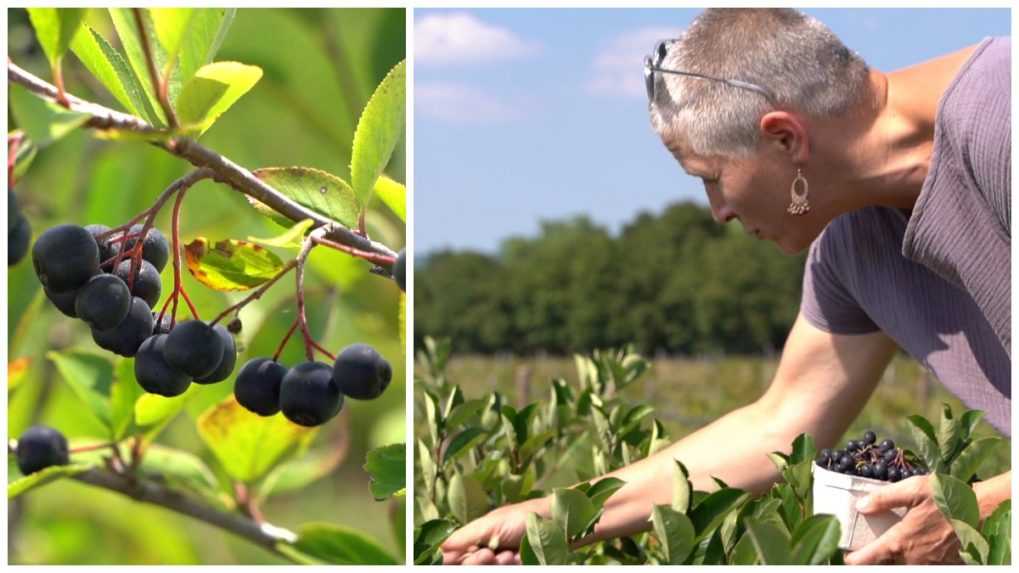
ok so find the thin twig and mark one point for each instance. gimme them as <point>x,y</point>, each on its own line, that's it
<point>225,171</point>
<point>302,318</point>
<point>257,294</point>
<point>265,534</point>
<point>150,62</point>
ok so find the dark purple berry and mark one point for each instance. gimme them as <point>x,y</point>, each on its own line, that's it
<point>361,373</point>
<point>103,302</point>
<point>65,257</point>
<point>893,474</point>
<point>147,283</point>
<point>152,371</point>
<point>308,395</point>
<point>125,338</point>
<point>227,361</point>
<point>258,386</point>
<point>41,447</point>
<point>400,270</point>
<point>869,437</point>
<point>886,445</point>
<point>194,347</point>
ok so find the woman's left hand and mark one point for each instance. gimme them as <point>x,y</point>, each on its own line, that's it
<point>923,536</point>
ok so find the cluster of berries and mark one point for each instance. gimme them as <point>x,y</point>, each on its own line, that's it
<point>19,232</point>
<point>866,458</point>
<point>311,393</point>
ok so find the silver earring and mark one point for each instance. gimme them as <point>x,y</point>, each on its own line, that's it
<point>799,204</point>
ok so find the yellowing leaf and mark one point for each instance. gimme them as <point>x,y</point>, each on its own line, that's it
<point>230,265</point>
<point>214,88</point>
<point>292,238</point>
<point>247,445</point>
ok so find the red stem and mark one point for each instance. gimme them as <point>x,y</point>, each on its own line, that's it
<point>370,257</point>
<point>283,343</point>
<point>178,285</point>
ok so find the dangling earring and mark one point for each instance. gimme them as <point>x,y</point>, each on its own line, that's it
<point>799,204</point>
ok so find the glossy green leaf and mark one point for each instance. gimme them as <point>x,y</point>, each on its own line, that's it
<point>55,28</point>
<point>428,537</point>
<point>955,499</point>
<point>997,529</point>
<point>378,132</point>
<point>90,376</point>
<point>815,540</point>
<point>770,541</point>
<point>207,28</point>
<point>181,470</point>
<point>572,510</point>
<point>973,456</point>
<point>152,409</point>
<point>971,541</point>
<point>292,238</point>
<point>387,467</point>
<point>315,189</point>
<point>247,445</point>
<point>467,499</point>
<point>547,541</point>
<point>230,265</point>
<point>171,26</point>
<point>43,477</point>
<point>602,490</point>
<point>297,473</point>
<point>123,396</point>
<point>675,532</point>
<point>462,443</point>
<point>213,89</point>
<point>113,71</point>
<point>43,121</point>
<point>682,490</point>
<point>336,545</point>
<point>130,40</point>
<point>926,440</point>
<point>393,195</point>
<point>709,513</point>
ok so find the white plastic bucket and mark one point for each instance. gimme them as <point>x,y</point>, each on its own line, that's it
<point>836,494</point>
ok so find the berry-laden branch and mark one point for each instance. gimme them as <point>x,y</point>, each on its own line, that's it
<point>222,168</point>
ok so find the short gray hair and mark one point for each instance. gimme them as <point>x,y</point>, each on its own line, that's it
<point>793,55</point>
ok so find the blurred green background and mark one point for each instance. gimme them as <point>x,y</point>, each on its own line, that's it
<point>320,67</point>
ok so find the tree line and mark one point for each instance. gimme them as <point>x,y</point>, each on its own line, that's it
<point>675,283</point>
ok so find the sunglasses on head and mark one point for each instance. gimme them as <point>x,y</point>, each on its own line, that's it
<point>653,64</point>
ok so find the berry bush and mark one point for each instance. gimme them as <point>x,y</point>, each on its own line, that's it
<point>172,318</point>
<point>474,454</point>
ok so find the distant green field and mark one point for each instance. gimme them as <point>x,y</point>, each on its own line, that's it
<point>689,393</point>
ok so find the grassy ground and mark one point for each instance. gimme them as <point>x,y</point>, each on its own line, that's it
<point>688,393</point>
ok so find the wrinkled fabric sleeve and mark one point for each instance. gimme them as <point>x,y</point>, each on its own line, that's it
<point>827,303</point>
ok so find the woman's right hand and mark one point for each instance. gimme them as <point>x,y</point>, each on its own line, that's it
<point>492,539</point>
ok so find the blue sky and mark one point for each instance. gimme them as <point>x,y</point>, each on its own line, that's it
<point>524,115</point>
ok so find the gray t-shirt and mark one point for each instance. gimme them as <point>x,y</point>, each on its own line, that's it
<point>938,280</point>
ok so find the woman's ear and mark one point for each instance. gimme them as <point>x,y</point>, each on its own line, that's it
<point>788,132</point>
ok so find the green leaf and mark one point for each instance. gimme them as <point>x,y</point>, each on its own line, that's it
<point>213,89</point>
<point>681,488</point>
<point>770,541</point>
<point>299,472</point>
<point>744,552</point>
<point>710,512</point>
<point>43,477</point>
<point>997,529</point>
<point>462,443</point>
<point>43,121</point>
<point>123,396</point>
<point>926,440</point>
<point>25,155</point>
<point>152,409</point>
<point>181,469</point>
<point>393,195</point>
<point>675,532</point>
<point>171,26</point>
<point>428,469</point>
<point>971,541</point>
<point>955,499</point>
<point>572,510</point>
<point>804,450</point>
<point>968,423</point>
<point>319,191</point>
<point>949,433</point>
<point>247,445</point>
<point>387,467</point>
<point>467,499</point>
<point>110,68</point>
<point>378,132</point>
<point>428,537</point>
<point>90,376</point>
<point>547,541</point>
<point>815,540</point>
<point>466,413</point>
<point>970,459</point>
<point>55,28</point>
<point>230,265</point>
<point>130,39</point>
<point>292,238</point>
<point>337,545</point>
<point>603,489</point>
<point>207,28</point>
